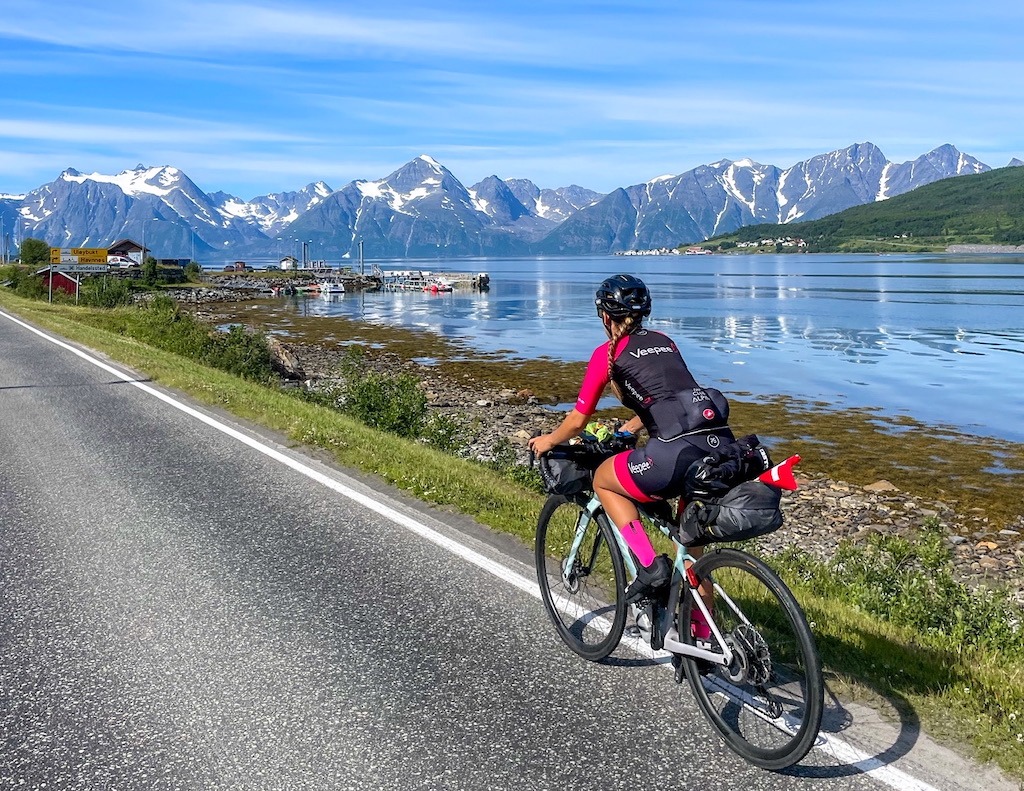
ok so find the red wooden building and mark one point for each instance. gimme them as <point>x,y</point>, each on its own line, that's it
<point>62,281</point>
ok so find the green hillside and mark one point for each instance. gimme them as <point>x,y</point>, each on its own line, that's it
<point>987,208</point>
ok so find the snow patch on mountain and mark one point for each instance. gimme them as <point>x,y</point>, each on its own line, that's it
<point>141,180</point>
<point>883,186</point>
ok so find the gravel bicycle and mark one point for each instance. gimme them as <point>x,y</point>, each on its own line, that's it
<point>757,676</point>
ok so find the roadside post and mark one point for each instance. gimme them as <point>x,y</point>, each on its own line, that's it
<point>76,260</point>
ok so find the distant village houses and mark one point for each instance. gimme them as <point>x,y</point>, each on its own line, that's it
<point>657,251</point>
<point>785,241</point>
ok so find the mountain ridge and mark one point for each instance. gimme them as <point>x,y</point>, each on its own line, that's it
<point>422,209</point>
<point>979,209</point>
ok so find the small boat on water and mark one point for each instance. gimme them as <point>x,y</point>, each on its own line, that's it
<point>331,287</point>
<point>437,285</point>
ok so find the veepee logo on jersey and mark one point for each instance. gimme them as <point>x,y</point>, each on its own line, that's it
<point>633,391</point>
<point>652,350</point>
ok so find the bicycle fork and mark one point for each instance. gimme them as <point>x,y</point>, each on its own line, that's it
<point>571,564</point>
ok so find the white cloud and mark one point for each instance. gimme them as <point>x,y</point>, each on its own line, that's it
<point>269,94</point>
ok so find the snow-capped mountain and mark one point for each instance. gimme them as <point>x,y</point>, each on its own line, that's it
<point>552,204</point>
<point>723,196</point>
<point>160,207</point>
<point>10,226</point>
<point>497,200</point>
<point>423,210</point>
<point>420,210</point>
<point>274,212</point>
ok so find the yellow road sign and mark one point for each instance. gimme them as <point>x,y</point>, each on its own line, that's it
<point>93,254</point>
<point>79,259</point>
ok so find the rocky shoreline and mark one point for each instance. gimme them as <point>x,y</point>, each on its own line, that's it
<point>820,515</point>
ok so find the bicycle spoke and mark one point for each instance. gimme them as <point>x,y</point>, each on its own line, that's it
<point>767,701</point>
<point>580,571</point>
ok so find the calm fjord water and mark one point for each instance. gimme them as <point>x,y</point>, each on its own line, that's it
<point>937,337</point>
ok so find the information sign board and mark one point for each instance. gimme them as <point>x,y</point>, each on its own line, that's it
<point>79,267</point>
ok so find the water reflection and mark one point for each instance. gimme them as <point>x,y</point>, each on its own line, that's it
<point>906,334</point>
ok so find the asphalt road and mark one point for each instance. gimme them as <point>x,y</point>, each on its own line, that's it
<point>182,611</point>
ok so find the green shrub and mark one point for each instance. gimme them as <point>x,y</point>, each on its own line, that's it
<point>24,282</point>
<point>330,394</point>
<point>445,432</point>
<point>909,582</point>
<point>390,403</point>
<point>103,292</point>
<point>164,325</point>
<point>240,352</point>
<point>505,462</point>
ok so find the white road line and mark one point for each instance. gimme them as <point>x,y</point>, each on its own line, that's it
<point>841,750</point>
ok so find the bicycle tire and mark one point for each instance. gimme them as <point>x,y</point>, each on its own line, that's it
<point>578,606</point>
<point>767,704</point>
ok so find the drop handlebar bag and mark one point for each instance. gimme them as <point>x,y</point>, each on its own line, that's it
<point>568,468</point>
<point>747,510</point>
<point>563,473</point>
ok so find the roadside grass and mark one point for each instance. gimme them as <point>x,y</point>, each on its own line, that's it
<point>889,620</point>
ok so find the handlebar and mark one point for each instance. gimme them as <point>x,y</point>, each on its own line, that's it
<point>588,450</point>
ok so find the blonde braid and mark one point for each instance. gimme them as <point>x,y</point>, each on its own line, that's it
<point>618,329</point>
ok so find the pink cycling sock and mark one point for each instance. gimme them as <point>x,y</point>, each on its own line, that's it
<point>638,542</point>
<point>699,625</point>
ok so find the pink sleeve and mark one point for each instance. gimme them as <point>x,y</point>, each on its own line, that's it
<point>594,382</point>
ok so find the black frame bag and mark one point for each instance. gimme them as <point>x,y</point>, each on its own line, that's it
<point>748,510</point>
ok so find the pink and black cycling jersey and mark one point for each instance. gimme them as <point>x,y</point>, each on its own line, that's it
<point>685,421</point>
<point>656,384</point>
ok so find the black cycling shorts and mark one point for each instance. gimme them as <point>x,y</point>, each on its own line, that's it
<point>657,471</point>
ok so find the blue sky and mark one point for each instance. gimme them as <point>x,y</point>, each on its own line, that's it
<point>259,97</point>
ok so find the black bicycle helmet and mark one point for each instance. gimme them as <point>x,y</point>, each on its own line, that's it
<point>623,295</point>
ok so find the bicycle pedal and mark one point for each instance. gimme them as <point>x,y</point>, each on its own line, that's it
<point>677,664</point>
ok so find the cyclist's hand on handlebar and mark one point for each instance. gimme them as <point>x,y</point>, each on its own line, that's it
<point>541,444</point>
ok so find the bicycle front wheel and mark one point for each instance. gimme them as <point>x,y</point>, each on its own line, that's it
<point>767,703</point>
<point>580,570</point>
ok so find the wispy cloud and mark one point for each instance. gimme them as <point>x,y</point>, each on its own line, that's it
<point>271,94</point>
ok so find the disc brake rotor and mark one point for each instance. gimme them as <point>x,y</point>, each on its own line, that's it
<point>753,654</point>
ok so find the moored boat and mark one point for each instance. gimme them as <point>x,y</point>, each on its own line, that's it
<point>331,288</point>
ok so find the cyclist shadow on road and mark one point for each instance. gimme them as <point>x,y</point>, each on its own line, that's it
<point>855,738</point>
<point>860,737</point>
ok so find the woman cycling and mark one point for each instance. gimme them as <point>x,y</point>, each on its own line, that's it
<point>685,421</point>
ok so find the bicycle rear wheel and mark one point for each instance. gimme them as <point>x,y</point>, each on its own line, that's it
<point>767,703</point>
<point>576,590</point>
